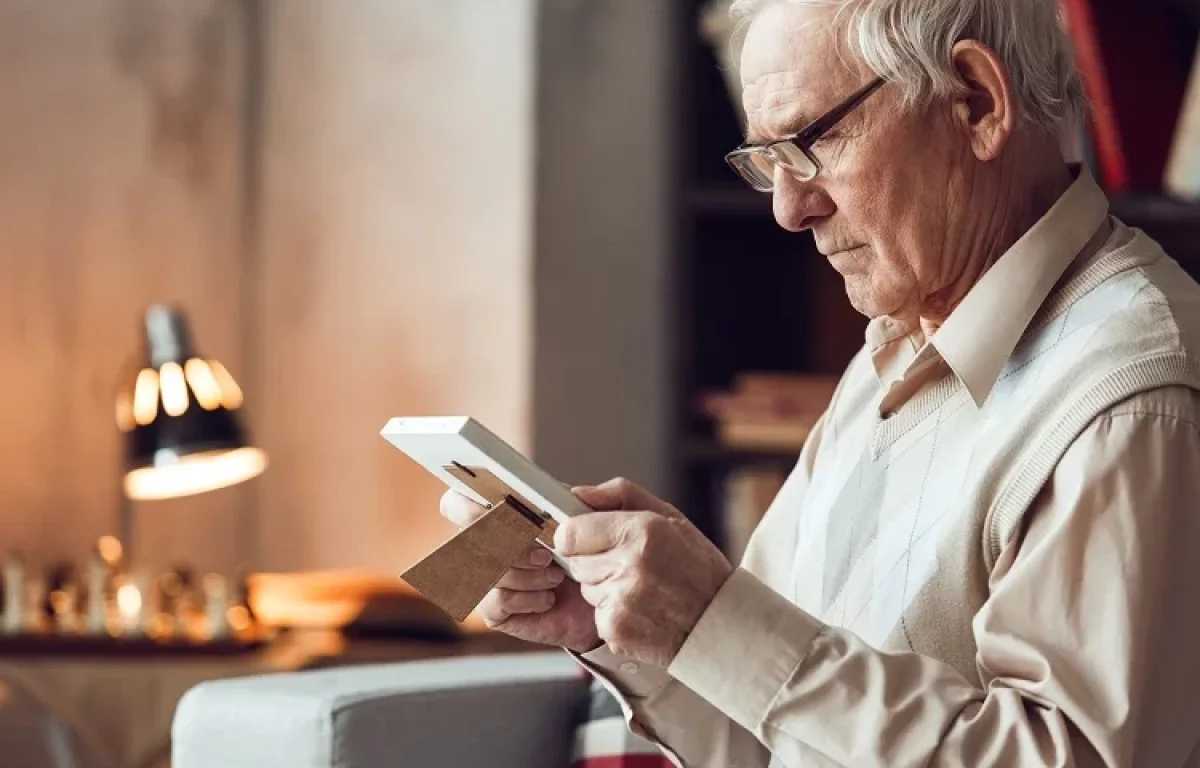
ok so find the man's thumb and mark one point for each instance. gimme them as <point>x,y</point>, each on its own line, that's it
<point>599,497</point>
<point>622,494</point>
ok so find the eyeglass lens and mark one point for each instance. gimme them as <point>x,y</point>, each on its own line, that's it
<point>758,166</point>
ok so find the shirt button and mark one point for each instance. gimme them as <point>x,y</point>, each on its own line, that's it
<point>629,667</point>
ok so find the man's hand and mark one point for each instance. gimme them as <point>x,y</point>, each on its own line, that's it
<point>533,601</point>
<point>647,570</point>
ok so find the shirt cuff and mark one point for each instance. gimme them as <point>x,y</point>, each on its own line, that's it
<point>745,647</point>
<point>633,679</point>
<point>629,682</point>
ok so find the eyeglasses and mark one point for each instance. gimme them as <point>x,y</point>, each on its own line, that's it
<point>756,163</point>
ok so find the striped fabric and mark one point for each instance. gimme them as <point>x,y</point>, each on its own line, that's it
<point>603,739</point>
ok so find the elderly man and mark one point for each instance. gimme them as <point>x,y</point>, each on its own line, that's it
<point>986,554</point>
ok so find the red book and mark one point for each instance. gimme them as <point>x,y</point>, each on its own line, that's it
<point>1135,76</point>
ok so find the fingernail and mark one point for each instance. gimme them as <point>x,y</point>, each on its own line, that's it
<point>550,598</point>
<point>560,540</point>
<point>541,558</point>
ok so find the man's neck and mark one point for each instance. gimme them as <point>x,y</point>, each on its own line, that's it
<point>1020,197</point>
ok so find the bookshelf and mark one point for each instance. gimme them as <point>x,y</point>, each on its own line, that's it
<point>750,296</point>
<point>699,451</point>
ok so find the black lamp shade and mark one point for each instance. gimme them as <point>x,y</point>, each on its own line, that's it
<point>180,415</point>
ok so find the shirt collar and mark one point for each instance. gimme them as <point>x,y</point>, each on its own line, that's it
<point>979,337</point>
<point>981,333</point>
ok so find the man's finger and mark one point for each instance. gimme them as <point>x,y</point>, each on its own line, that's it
<point>590,534</point>
<point>532,580</point>
<point>501,604</point>
<point>622,494</point>
<point>536,558</point>
<point>460,510</point>
<point>594,595</point>
<point>617,493</point>
<point>593,569</point>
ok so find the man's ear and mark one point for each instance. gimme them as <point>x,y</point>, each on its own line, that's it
<point>986,108</point>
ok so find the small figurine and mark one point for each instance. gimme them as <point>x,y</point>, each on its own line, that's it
<point>170,591</point>
<point>64,607</point>
<point>61,605</point>
<point>96,613</point>
<point>241,593</point>
<point>188,602</point>
<point>33,617</point>
<point>15,593</point>
<point>133,604</point>
<point>216,606</point>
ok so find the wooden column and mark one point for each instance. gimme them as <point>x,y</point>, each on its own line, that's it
<point>603,271</point>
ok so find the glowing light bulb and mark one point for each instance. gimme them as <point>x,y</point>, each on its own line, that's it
<point>145,396</point>
<point>174,389</point>
<point>231,393</point>
<point>110,549</point>
<point>203,383</point>
<point>125,420</point>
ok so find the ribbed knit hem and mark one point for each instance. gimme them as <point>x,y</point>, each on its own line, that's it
<point>1173,369</point>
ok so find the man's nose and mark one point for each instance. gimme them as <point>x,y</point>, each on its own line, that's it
<point>798,205</point>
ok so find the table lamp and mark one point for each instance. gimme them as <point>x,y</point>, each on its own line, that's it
<point>179,415</point>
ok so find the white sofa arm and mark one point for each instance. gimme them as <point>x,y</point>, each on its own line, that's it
<point>514,710</point>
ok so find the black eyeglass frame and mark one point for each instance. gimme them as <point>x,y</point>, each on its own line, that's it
<point>805,137</point>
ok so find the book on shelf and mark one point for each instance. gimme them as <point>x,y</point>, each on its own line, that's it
<point>747,493</point>
<point>1183,167</point>
<point>1134,64</point>
<point>757,434</point>
<point>768,411</point>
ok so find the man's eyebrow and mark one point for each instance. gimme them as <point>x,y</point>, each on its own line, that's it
<point>790,128</point>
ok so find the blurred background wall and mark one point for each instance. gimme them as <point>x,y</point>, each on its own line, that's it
<point>368,209</point>
<point>512,209</point>
<point>121,154</point>
<point>395,256</point>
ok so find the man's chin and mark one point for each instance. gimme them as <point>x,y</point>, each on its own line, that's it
<point>843,261</point>
<point>864,300</point>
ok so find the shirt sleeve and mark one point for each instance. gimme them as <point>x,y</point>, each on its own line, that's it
<point>688,728</point>
<point>1086,643</point>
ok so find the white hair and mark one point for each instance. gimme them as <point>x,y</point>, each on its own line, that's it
<point>909,42</point>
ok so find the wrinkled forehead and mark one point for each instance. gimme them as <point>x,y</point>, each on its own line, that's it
<point>792,62</point>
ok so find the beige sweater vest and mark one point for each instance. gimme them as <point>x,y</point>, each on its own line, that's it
<point>1141,326</point>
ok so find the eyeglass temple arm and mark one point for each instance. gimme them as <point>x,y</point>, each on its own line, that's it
<point>823,124</point>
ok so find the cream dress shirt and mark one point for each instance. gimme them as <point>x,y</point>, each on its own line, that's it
<point>1084,649</point>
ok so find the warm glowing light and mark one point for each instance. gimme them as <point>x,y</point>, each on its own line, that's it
<point>174,389</point>
<point>129,601</point>
<point>213,584</point>
<point>231,393</point>
<point>145,397</point>
<point>125,420</point>
<point>62,605</point>
<point>160,626</point>
<point>110,549</point>
<point>197,473</point>
<point>239,618</point>
<point>200,378</point>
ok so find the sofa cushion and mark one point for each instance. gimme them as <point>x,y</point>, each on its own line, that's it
<point>505,710</point>
<point>603,739</point>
